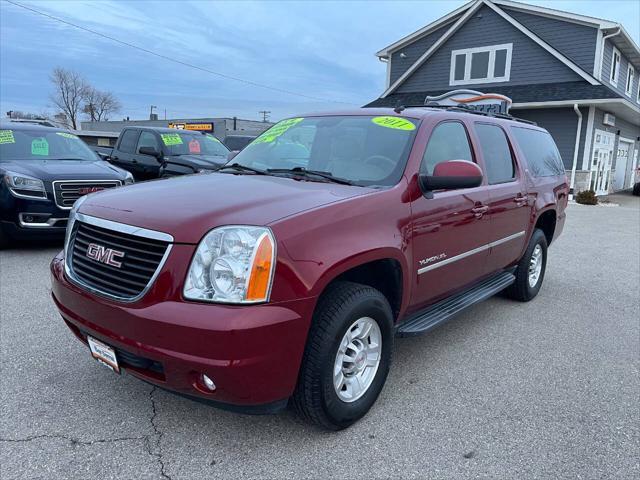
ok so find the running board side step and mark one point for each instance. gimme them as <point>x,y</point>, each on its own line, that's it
<point>446,309</point>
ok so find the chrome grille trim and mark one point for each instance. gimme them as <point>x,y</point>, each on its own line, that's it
<point>143,233</point>
<point>70,193</point>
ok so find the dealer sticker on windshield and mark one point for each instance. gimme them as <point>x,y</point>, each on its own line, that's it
<point>171,139</point>
<point>40,146</point>
<point>6,136</point>
<point>396,123</point>
<point>277,130</point>
<point>66,135</point>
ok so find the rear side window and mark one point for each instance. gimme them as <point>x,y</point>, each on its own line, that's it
<point>540,151</point>
<point>496,153</point>
<point>128,141</point>
<point>448,141</point>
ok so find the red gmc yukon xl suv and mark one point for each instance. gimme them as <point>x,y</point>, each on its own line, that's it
<point>285,276</point>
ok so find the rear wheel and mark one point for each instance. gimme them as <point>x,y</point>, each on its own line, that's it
<point>347,356</point>
<point>636,189</point>
<point>530,270</point>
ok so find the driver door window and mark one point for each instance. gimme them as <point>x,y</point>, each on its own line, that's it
<point>449,141</point>
<point>148,139</point>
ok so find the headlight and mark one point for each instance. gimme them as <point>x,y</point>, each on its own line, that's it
<point>72,219</point>
<point>22,185</point>
<point>128,178</point>
<point>232,265</point>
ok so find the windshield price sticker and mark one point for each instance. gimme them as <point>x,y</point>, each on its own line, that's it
<point>194,146</point>
<point>171,139</point>
<point>277,130</point>
<point>39,146</point>
<point>66,135</point>
<point>6,136</point>
<point>394,122</point>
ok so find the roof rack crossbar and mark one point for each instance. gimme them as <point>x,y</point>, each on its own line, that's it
<point>464,109</point>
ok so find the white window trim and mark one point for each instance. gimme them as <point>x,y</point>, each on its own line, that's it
<point>631,76</point>
<point>468,52</point>
<point>614,52</point>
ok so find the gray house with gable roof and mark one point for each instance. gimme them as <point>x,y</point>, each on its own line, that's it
<point>577,76</point>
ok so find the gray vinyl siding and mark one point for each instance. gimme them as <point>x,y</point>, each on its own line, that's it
<point>562,124</point>
<point>576,42</point>
<point>413,51</point>
<point>622,76</point>
<point>530,63</point>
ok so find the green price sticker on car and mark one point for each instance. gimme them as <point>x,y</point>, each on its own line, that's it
<point>277,130</point>
<point>396,123</point>
<point>6,136</point>
<point>66,135</point>
<point>171,139</point>
<point>40,146</point>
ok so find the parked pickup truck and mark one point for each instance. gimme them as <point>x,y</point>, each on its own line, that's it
<point>43,171</point>
<point>151,152</point>
<point>285,276</point>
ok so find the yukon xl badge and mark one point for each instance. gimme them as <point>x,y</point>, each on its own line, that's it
<point>105,255</point>
<point>427,261</point>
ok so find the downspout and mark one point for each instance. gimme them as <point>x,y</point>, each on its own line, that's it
<point>388,73</point>
<point>575,152</point>
<point>617,32</point>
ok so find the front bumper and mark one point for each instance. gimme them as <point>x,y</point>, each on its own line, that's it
<point>252,352</point>
<point>23,218</point>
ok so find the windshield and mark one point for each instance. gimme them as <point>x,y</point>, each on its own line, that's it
<point>40,144</point>
<point>365,150</point>
<point>187,143</point>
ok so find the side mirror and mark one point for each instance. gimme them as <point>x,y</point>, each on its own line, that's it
<point>151,151</point>
<point>231,155</point>
<point>451,175</point>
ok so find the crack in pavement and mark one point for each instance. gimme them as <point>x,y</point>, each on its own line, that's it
<point>72,440</point>
<point>158,436</point>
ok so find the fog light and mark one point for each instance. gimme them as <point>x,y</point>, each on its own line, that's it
<point>207,382</point>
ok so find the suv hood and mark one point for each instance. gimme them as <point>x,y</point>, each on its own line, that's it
<point>50,170</point>
<point>188,207</point>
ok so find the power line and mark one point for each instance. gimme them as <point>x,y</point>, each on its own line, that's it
<point>165,57</point>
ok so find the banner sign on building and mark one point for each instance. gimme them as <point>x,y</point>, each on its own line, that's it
<point>200,127</point>
<point>483,102</point>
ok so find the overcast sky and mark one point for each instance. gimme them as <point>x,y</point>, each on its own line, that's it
<point>319,49</point>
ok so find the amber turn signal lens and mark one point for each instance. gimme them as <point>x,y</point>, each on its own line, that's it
<point>258,287</point>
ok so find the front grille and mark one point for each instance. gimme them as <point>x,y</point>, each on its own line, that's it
<point>139,258</point>
<point>66,192</point>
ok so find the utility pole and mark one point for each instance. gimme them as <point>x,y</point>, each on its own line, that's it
<point>265,115</point>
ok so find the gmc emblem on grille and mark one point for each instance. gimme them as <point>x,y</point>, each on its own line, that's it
<point>88,190</point>
<point>105,255</point>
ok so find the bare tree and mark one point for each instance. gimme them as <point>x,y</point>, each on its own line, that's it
<point>70,88</point>
<point>99,105</point>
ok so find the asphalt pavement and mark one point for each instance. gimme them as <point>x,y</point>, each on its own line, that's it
<point>547,389</point>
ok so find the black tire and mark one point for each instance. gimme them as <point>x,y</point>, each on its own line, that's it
<point>315,397</point>
<point>636,189</point>
<point>521,290</point>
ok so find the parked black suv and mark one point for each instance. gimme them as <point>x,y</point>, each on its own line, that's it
<point>43,171</point>
<point>151,152</point>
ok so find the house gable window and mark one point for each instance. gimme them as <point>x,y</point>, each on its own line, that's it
<point>631,73</point>
<point>488,64</point>
<point>615,67</point>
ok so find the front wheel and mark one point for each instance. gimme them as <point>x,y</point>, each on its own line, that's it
<point>4,240</point>
<point>347,356</point>
<point>530,270</point>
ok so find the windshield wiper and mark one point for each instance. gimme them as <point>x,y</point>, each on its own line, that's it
<point>301,171</point>
<point>242,168</point>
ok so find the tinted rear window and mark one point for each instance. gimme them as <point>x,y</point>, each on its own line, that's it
<point>540,152</point>
<point>496,153</point>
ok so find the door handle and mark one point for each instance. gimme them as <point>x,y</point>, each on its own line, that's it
<point>480,211</point>
<point>521,200</point>
<point>134,161</point>
<point>114,158</point>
